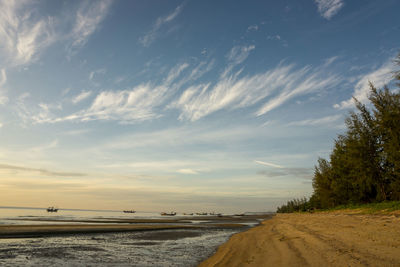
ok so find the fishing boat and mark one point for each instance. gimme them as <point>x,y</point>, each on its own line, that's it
<point>168,214</point>
<point>129,211</point>
<point>52,209</point>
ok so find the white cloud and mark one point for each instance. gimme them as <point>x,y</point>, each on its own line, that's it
<point>51,145</point>
<point>88,18</point>
<point>319,121</point>
<point>329,8</point>
<point>379,78</point>
<point>299,82</point>
<point>23,34</point>
<point>169,166</point>
<point>3,80</point>
<point>252,28</point>
<point>187,171</point>
<point>126,106</point>
<point>238,54</point>
<point>330,60</point>
<point>3,77</point>
<point>3,98</point>
<point>269,164</point>
<point>95,72</point>
<point>38,113</point>
<point>175,72</point>
<point>232,92</point>
<point>82,96</point>
<point>153,34</point>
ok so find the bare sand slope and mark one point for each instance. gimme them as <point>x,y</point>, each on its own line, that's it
<point>323,239</point>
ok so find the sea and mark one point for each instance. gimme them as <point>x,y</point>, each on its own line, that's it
<point>177,247</point>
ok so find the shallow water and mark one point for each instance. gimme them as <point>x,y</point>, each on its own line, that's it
<point>177,247</point>
<point>151,248</point>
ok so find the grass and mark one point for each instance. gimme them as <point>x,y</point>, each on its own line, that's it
<point>370,208</point>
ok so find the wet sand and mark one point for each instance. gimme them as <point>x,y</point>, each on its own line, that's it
<point>319,239</point>
<point>60,227</point>
<point>14,231</point>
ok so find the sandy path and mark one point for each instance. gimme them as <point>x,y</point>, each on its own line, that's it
<point>323,239</point>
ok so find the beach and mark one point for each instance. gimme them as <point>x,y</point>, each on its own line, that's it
<point>85,238</point>
<point>318,239</point>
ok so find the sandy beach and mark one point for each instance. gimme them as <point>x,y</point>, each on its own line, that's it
<point>319,239</point>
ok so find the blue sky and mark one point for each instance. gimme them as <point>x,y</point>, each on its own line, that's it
<point>180,105</point>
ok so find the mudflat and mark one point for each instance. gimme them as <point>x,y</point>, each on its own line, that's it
<point>318,239</point>
<point>14,231</point>
<point>56,226</point>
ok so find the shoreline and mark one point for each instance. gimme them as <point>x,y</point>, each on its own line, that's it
<point>30,231</point>
<point>53,227</point>
<point>332,239</point>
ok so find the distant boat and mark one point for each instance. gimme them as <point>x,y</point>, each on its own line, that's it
<point>129,211</point>
<point>202,213</point>
<point>188,214</point>
<point>168,214</point>
<point>52,209</point>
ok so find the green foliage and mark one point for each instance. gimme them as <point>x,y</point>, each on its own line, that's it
<point>295,205</point>
<point>364,166</point>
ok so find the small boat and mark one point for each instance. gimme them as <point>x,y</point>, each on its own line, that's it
<point>202,213</point>
<point>168,214</point>
<point>52,209</point>
<point>129,211</point>
<point>191,214</point>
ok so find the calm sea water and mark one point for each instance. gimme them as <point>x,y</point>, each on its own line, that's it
<point>12,215</point>
<point>150,248</point>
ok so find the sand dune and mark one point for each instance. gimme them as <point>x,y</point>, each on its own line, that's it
<point>321,239</point>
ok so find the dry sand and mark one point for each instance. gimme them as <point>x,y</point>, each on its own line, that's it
<point>319,239</point>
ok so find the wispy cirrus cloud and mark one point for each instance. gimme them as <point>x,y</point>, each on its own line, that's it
<point>299,82</point>
<point>82,96</point>
<point>94,73</point>
<point>154,33</point>
<point>236,56</point>
<point>23,32</point>
<point>3,80</point>
<point>379,77</point>
<point>3,77</point>
<point>41,171</point>
<point>88,18</point>
<point>140,103</point>
<point>329,8</point>
<point>319,121</point>
<point>187,171</point>
<point>269,164</point>
<point>233,92</point>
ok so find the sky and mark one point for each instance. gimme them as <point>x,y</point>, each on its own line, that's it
<point>181,105</point>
